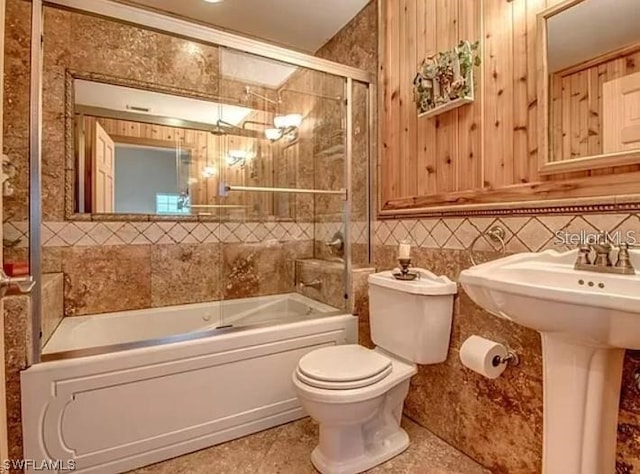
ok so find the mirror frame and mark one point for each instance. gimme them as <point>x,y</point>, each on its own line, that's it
<point>585,163</point>
<point>71,182</point>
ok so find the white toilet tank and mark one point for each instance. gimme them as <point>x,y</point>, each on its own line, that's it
<point>412,319</point>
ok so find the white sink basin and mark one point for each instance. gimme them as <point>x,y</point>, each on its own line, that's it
<point>586,320</point>
<point>542,291</point>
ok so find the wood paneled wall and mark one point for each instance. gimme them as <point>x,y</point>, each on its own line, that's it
<point>482,153</point>
<point>206,149</point>
<point>576,103</point>
<point>416,29</point>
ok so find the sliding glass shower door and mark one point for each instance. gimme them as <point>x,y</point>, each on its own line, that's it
<point>283,185</point>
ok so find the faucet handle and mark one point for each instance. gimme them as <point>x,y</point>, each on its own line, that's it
<point>603,238</point>
<point>624,260</point>
<point>583,255</point>
<point>336,244</point>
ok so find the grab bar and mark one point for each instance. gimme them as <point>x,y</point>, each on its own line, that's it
<point>225,189</point>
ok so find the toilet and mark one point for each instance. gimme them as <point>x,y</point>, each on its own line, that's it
<point>356,394</point>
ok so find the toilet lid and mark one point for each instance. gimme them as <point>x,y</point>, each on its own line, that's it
<point>342,367</point>
<point>343,385</point>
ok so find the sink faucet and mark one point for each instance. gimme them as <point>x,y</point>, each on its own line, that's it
<point>602,262</point>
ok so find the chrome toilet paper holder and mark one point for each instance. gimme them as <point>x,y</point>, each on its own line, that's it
<point>511,359</point>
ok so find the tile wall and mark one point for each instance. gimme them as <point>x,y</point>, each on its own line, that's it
<point>497,422</point>
<point>89,252</point>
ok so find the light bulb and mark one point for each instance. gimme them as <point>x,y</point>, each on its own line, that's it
<point>238,154</point>
<point>280,121</point>
<point>209,172</point>
<point>273,134</point>
<point>293,120</point>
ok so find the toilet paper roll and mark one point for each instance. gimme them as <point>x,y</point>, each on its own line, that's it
<point>478,354</point>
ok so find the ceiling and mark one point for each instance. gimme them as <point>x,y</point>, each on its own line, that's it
<point>590,29</point>
<point>112,97</point>
<point>303,25</point>
<point>251,69</point>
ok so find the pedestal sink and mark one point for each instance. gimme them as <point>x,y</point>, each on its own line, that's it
<point>586,320</point>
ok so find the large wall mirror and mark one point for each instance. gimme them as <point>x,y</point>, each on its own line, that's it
<point>590,85</point>
<point>141,151</point>
<point>145,152</point>
<point>205,136</point>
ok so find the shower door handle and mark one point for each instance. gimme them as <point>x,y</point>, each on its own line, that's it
<point>24,283</point>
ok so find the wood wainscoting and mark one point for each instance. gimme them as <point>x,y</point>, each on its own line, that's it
<point>485,153</point>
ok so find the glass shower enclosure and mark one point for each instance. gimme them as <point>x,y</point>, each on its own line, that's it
<point>241,168</point>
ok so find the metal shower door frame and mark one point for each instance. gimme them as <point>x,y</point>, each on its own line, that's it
<point>190,30</point>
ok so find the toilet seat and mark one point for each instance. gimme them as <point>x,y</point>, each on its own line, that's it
<point>343,385</point>
<point>343,367</point>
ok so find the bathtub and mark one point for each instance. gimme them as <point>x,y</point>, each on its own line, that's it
<point>123,390</point>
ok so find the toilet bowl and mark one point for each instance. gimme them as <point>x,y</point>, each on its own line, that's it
<point>359,426</point>
<point>356,394</point>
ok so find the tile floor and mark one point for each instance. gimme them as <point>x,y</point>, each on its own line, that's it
<point>286,449</point>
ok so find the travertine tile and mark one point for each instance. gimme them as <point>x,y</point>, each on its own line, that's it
<point>628,457</point>
<point>243,455</point>
<point>17,339</point>
<point>108,278</point>
<point>287,449</point>
<point>331,277</point>
<point>52,304</point>
<point>186,273</point>
<point>360,303</point>
<point>534,235</point>
<point>16,105</point>
<point>441,233</point>
<point>261,269</point>
<point>496,422</point>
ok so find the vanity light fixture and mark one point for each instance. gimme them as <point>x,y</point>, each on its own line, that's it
<point>273,134</point>
<point>209,172</point>
<point>213,1</point>
<point>285,126</point>
<point>288,121</point>
<point>235,157</point>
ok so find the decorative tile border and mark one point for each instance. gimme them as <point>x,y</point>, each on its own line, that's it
<point>523,234</point>
<point>324,231</point>
<point>65,234</point>
<point>92,233</point>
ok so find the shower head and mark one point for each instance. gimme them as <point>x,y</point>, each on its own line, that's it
<point>223,128</point>
<point>218,131</point>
